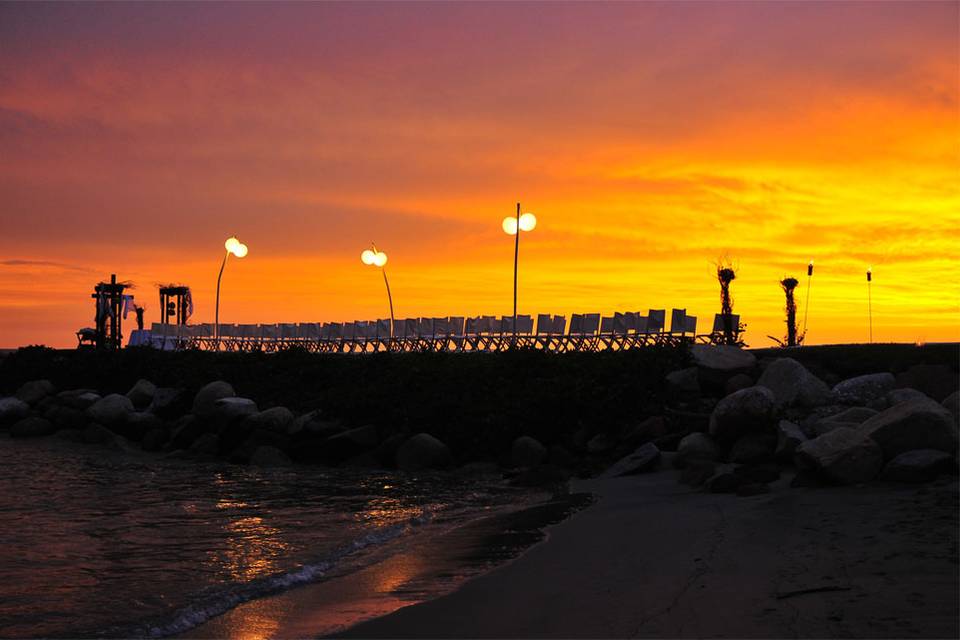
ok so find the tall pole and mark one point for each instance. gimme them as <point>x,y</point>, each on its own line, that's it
<point>870,303</point>
<point>216,315</point>
<point>516,259</point>
<point>390,299</point>
<point>806,306</point>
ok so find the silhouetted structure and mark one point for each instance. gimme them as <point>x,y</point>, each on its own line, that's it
<point>793,338</point>
<point>108,297</point>
<point>726,275</point>
<point>175,302</point>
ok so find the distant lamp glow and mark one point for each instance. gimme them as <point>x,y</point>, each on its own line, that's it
<point>528,222</point>
<point>237,248</point>
<point>377,258</point>
<point>510,226</point>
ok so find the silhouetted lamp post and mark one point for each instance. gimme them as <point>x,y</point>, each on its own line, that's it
<point>870,301</point>
<point>379,259</point>
<point>513,226</point>
<point>806,306</point>
<point>237,248</point>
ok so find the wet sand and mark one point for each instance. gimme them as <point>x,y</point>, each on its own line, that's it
<point>652,558</point>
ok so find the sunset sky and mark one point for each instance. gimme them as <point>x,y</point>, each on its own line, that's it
<point>650,139</point>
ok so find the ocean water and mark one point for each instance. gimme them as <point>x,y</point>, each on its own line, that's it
<point>101,543</point>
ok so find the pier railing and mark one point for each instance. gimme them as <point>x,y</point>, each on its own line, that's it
<point>585,332</point>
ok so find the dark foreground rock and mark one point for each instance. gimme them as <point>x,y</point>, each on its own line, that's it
<point>749,410</point>
<point>645,458</point>
<point>865,390</point>
<point>915,424</point>
<point>792,385</point>
<point>843,456</point>
<point>921,465</point>
<point>32,428</point>
<point>423,451</point>
<point>527,452</point>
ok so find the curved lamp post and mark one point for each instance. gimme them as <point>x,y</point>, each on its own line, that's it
<point>376,258</point>
<point>512,226</point>
<point>237,248</point>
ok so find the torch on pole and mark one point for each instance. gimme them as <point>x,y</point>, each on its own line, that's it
<point>806,306</point>
<point>870,301</point>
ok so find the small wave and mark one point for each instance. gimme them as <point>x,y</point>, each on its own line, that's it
<point>228,597</point>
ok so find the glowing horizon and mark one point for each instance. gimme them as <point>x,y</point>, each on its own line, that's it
<point>650,140</point>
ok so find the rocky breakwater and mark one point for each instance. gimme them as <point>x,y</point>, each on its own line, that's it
<point>736,424</point>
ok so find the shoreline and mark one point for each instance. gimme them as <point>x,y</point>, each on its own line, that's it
<point>653,558</point>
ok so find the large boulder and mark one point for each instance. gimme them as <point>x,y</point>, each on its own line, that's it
<point>645,458</point>
<point>36,390</point>
<point>185,431</point>
<point>738,382</point>
<point>920,465</point>
<point>865,390</point>
<point>683,382</point>
<point>32,428</point>
<point>934,380</point>
<point>697,446</point>
<point>12,409</point>
<point>267,456</point>
<point>792,385</point>
<point>896,396</point>
<point>527,452</point>
<point>67,417</point>
<point>78,398</point>
<point>952,404</point>
<point>205,402</point>
<point>717,364</point>
<point>789,437</point>
<point>228,411</point>
<point>914,424</point>
<point>97,434</point>
<point>350,443</point>
<point>746,411</point>
<point>141,394</point>
<point>423,451</point>
<point>753,447</point>
<point>111,411</point>
<point>277,419</point>
<point>650,429</point>
<point>169,403</point>
<point>138,424</point>
<point>206,444</point>
<point>844,456</point>
<point>856,415</point>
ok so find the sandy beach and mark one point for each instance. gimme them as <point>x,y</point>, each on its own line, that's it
<point>653,558</point>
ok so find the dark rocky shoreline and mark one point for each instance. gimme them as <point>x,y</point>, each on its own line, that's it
<point>734,419</point>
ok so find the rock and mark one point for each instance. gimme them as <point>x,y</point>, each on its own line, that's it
<point>865,390</point>
<point>527,452</point>
<point>277,419</point>
<point>736,383</point>
<point>154,439</point>
<point>34,391</point>
<point>724,482</point>
<point>669,442</point>
<point>650,429</point>
<point>600,443</point>
<point>67,417</point>
<point>844,456</point>
<point>645,458</point>
<point>78,398</point>
<point>69,435</point>
<point>301,422</point>
<point>386,451</point>
<point>32,428</point>
<point>141,394</point>
<point>683,382</point>
<point>758,472</point>
<point>919,465</point>
<point>267,456</point>
<point>686,420</point>
<point>350,443</point>
<point>717,364</point>
<point>789,437</point>
<point>934,380</point>
<point>746,411</point>
<point>207,443</point>
<point>423,451</point>
<point>97,433</point>
<point>697,472</point>
<point>897,396</point>
<point>185,431</point>
<point>914,424</point>
<point>168,404</point>
<point>826,426</point>
<point>205,402</point>
<point>792,385</point>
<point>753,447</point>
<point>697,446</point>
<point>228,411</point>
<point>752,489</point>
<point>12,409</point>
<point>138,424</point>
<point>110,411</point>
<point>856,415</point>
<point>952,404</point>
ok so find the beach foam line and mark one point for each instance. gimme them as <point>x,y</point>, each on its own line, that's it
<point>229,596</point>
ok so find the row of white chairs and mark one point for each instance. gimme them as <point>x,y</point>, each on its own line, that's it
<point>589,331</point>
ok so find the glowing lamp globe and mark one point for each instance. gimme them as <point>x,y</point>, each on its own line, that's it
<point>528,222</point>
<point>240,250</point>
<point>380,258</point>
<point>368,257</point>
<point>510,226</point>
<point>231,244</point>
